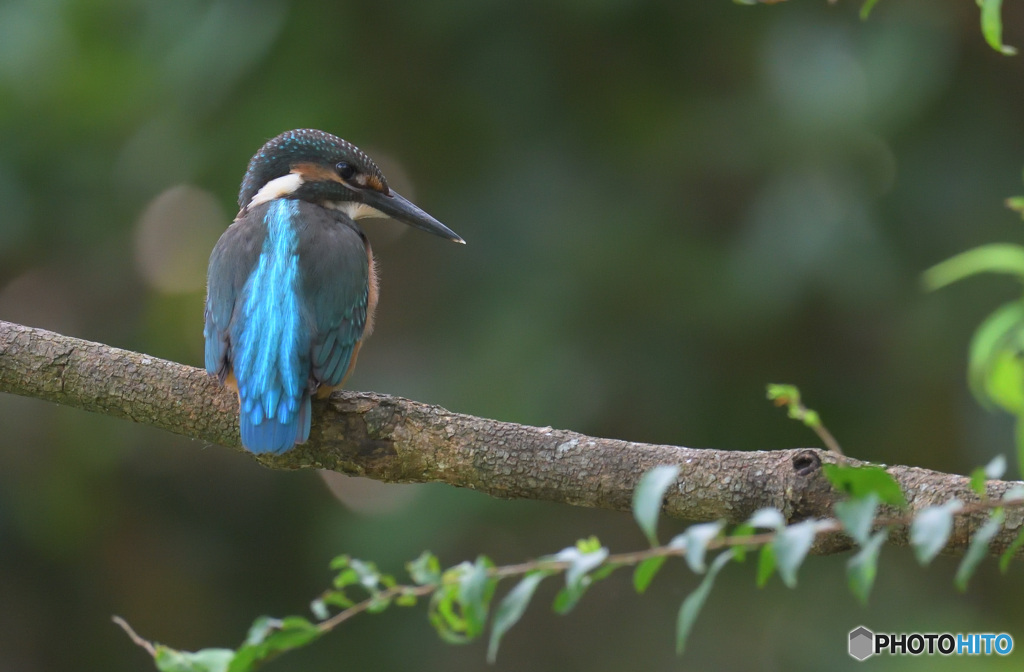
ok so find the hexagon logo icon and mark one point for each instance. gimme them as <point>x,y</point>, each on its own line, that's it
<point>862,643</point>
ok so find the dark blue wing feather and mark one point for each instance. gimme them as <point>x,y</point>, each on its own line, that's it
<point>231,263</point>
<point>335,272</point>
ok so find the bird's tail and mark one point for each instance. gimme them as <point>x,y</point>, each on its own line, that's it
<point>265,433</point>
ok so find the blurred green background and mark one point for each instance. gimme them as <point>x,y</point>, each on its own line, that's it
<point>668,204</point>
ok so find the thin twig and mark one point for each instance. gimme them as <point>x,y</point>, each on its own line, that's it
<point>139,641</point>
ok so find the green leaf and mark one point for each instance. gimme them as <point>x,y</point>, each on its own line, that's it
<point>369,577</point>
<point>425,569</point>
<point>336,598</point>
<point>260,628</point>
<point>989,372</point>
<point>576,579</point>
<point>378,604</point>
<point>858,515</point>
<point>996,467</point>
<point>742,530</point>
<point>1003,378</point>
<point>765,564</point>
<point>994,258</point>
<point>695,541</point>
<point>565,600</point>
<point>992,26</point>
<point>931,528</point>
<point>459,606</point>
<point>319,609</point>
<point>978,481</point>
<point>511,609</point>
<point>1014,494</point>
<point>646,571</point>
<point>791,546</point>
<point>345,578</point>
<point>862,568</point>
<point>581,564</point>
<point>1016,203</point>
<point>768,519</point>
<point>476,588</point>
<point>648,497</point>
<point>206,660</point>
<point>866,8</point>
<point>444,612</point>
<point>789,396</point>
<point>783,395</point>
<point>1011,551</point>
<point>694,601</point>
<point>859,481</point>
<point>992,471</point>
<point>978,548</point>
<point>1018,432</point>
<point>604,571</point>
<point>270,637</point>
<point>589,545</point>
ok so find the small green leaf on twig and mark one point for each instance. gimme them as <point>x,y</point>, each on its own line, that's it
<point>692,604</point>
<point>858,481</point>
<point>858,515</point>
<point>425,569</point>
<point>979,546</point>
<point>765,565</point>
<point>862,568</point>
<point>645,572</point>
<point>991,471</point>
<point>511,609</point>
<point>582,558</point>
<point>695,541</point>
<point>791,546</point>
<point>931,529</point>
<point>789,396</point>
<point>648,496</point>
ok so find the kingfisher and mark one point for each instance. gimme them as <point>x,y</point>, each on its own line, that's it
<point>291,287</point>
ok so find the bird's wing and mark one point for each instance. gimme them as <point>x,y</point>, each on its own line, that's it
<point>335,279</point>
<point>231,262</point>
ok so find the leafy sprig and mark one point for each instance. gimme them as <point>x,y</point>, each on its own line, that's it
<point>461,597</point>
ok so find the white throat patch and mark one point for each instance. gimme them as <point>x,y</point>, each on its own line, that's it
<point>276,188</point>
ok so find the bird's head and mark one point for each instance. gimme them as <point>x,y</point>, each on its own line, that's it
<point>322,168</point>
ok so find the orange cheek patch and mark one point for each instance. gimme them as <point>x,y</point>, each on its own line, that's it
<point>311,172</point>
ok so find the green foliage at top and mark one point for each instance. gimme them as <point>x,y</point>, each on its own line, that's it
<point>991,20</point>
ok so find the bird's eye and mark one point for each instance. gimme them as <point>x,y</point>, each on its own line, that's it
<point>345,170</point>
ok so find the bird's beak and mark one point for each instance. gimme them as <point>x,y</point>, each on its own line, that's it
<point>398,207</point>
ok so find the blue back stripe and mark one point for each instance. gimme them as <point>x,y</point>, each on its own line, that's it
<point>267,355</point>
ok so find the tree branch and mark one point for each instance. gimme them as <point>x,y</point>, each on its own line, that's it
<point>397,440</point>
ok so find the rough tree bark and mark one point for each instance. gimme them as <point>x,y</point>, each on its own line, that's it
<point>397,440</point>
